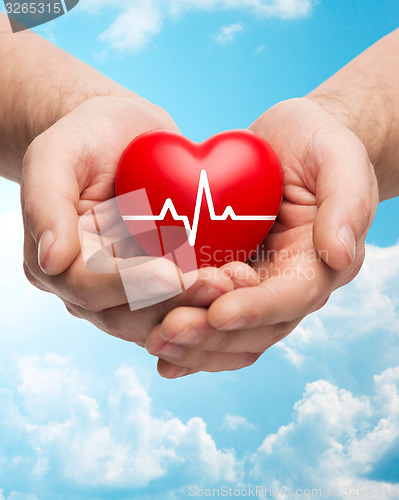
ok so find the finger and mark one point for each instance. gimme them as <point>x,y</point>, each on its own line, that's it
<point>91,291</point>
<point>97,291</point>
<point>280,299</point>
<point>121,322</point>
<point>169,370</point>
<point>49,204</point>
<point>242,275</point>
<point>148,281</point>
<point>196,361</point>
<point>210,283</point>
<point>200,360</point>
<point>347,196</point>
<point>189,327</point>
<point>161,279</point>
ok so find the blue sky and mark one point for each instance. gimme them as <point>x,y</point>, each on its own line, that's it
<point>84,415</point>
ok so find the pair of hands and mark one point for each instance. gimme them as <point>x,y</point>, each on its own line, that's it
<point>231,315</point>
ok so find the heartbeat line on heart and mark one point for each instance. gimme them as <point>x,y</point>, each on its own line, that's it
<point>203,187</point>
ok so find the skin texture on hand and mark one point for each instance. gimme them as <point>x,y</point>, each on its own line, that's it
<point>364,96</point>
<point>315,246</point>
<point>69,169</point>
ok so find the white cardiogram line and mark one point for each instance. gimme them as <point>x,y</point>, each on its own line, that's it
<point>203,186</point>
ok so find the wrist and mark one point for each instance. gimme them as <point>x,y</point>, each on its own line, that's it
<point>369,121</point>
<point>64,102</point>
<point>369,118</point>
<point>32,120</point>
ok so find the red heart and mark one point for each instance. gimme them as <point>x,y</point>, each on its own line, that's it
<point>242,172</point>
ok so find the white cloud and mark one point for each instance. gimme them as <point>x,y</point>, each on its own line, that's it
<point>16,495</point>
<point>134,27</point>
<point>260,49</point>
<point>368,306</point>
<point>233,422</point>
<point>117,441</point>
<point>335,438</point>
<point>310,335</point>
<point>138,21</point>
<point>227,33</point>
<point>371,302</point>
<point>11,310</point>
<point>18,298</point>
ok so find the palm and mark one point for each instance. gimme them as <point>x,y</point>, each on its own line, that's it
<point>289,251</point>
<point>100,131</point>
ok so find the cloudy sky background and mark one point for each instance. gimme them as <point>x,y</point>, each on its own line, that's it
<point>84,415</point>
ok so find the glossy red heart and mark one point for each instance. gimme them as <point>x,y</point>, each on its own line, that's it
<point>236,169</point>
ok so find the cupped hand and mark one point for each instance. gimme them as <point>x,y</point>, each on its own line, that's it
<point>316,245</point>
<point>69,169</point>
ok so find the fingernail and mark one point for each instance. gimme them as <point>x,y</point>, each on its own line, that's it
<point>205,294</point>
<point>189,336</point>
<point>234,324</point>
<point>347,238</point>
<point>171,351</point>
<point>45,242</point>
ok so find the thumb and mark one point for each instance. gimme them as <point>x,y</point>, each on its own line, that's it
<point>347,195</point>
<point>49,197</point>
